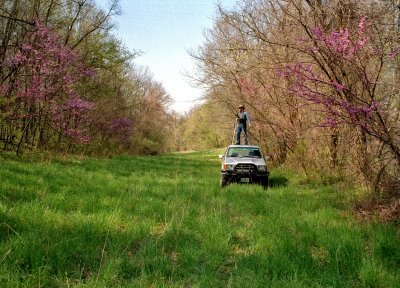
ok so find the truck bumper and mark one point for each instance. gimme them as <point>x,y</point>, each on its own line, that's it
<point>233,177</point>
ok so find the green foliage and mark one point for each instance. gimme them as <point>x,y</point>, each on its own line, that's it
<point>147,146</point>
<point>164,222</point>
<point>206,127</point>
<point>126,100</point>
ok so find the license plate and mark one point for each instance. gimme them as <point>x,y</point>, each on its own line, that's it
<point>245,180</point>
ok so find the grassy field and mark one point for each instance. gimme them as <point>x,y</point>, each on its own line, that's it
<point>164,222</point>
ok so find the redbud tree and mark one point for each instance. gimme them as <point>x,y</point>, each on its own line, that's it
<point>41,90</point>
<point>345,80</point>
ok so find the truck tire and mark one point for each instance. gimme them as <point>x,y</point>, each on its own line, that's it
<point>264,183</point>
<point>223,181</point>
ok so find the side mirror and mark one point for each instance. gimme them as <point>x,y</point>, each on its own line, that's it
<point>220,156</point>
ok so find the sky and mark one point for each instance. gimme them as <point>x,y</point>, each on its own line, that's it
<point>165,30</point>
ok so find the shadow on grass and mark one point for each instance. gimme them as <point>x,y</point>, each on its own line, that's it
<point>278,181</point>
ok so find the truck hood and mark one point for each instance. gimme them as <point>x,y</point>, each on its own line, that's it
<point>236,160</point>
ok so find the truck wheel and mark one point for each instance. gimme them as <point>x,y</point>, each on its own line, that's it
<point>223,181</point>
<point>264,183</point>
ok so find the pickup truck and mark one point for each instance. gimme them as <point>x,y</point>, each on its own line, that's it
<point>244,164</point>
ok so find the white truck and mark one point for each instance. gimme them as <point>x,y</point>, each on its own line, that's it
<point>244,164</point>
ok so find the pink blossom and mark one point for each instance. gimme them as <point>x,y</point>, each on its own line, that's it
<point>26,47</point>
<point>71,132</point>
<point>18,59</point>
<point>67,78</point>
<point>338,87</point>
<point>362,25</point>
<point>330,122</point>
<point>247,87</point>
<point>120,124</point>
<point>303,80</point>
<point>342,41</point>
<point>85,139</point>
<point>318,33</point>
<point>51,72</point>
<point>77,135</point>
<point>361,43</point>
<point>121,128</point>
<point>87,72</point>
<point>79,104</point>
<point>393,54</point>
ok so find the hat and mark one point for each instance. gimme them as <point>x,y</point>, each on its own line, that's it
<point>242,106</point>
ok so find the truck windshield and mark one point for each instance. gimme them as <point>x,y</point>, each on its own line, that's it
<point>251,152</point>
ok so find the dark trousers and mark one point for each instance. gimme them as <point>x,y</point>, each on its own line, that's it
<point>241,127</point>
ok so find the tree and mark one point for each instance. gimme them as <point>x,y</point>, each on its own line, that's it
<point>48,97</point>
<point>345,83</point>
<point>315,75</point>
<point>207,127</point>
<point>151,116</point>
<point>41,91</point>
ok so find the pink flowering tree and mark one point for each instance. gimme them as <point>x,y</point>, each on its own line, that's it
<point>42,90</point>
<point>72,119</point>
<point>328,81</point>
<point>344,81</point>
<point>121,128</point>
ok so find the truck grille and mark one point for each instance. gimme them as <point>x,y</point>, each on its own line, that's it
<point>245,168</point>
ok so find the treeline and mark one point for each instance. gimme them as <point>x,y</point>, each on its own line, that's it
<point>320,80</point>
<point>68,85</point>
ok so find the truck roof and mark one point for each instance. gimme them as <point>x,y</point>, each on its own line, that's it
<point>244,146</point>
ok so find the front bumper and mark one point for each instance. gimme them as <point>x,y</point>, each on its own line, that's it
<point>250,177</point>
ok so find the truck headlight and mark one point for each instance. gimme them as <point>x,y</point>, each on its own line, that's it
<point>262,168</point>
<point>228,167</point>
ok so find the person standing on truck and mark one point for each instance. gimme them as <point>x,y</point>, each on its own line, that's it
<point>242,119</point>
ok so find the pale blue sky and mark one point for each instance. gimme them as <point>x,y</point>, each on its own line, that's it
<point>164,30</point>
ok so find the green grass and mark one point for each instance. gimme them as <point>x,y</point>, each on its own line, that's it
<point>164,222</point>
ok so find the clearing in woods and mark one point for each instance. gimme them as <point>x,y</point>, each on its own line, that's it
<point>164,222</point>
